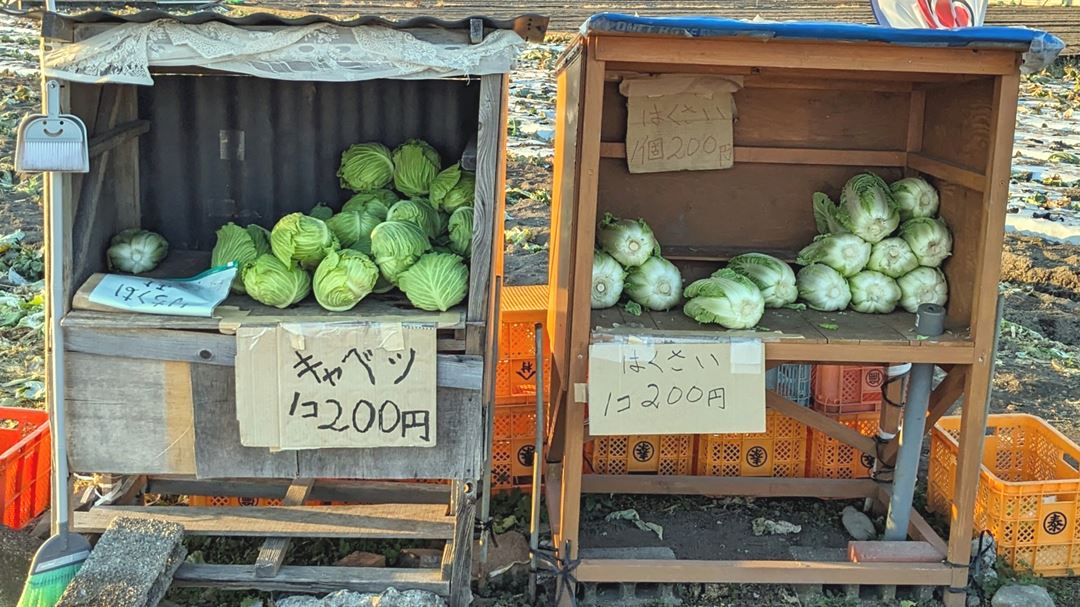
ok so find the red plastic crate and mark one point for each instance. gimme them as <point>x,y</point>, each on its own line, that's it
<point>24,465</point>
<point>830,458</point>
<point>843,389</point>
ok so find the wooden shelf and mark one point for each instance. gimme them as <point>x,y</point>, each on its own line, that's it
<point>792,335</point>
<point>775,155</point>
<point>695,253</point>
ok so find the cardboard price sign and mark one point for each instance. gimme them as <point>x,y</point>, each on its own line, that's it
<point>679,122</point>
<point>685,388</point>
<point>310,386</point>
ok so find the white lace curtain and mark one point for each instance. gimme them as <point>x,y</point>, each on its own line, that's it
<point>321,51</point>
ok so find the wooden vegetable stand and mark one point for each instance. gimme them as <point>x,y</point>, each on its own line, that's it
<point>818,104</point>
<point>223,137</point>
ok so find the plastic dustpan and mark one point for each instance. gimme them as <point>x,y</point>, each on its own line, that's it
<point>53,141</point>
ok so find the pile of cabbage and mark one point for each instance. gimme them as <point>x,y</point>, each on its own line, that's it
<point>880,247</point>
<point>408,225</point>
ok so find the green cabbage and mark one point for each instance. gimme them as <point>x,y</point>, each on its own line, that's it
<point>416,164</point>
<point>929,240</point>
<point>241,245</point>
<point>419,213</point>
<point>462,194</point>
<point>270,282</point>
<point>775,278</point>
<point>343,279</point>
<point>922,285</point>
<point>321,211</point>
<point>437,281</point>
<point>630,242</point>
<point>823,288</point>
<point>867,208</point>
<point>845,253</point>
<point>376,202</point>
<point>353,230</point>
<point>726,298</point>
<point>299,238</point>
<point>915,198</point>
<point>608,278</point>
<point>443,183</point>
<point>136,251</point>
<point>396,245</point>
<point>873,292</point>
<point>461,231</point>
<point>655,284</point>
<point>892,257</point>
<point>366,167</point>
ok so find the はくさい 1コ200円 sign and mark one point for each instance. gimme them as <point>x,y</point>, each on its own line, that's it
<point>314,385</point>
<point>683,388</point>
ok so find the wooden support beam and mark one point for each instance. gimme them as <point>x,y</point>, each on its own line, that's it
<point>800,156</point>
<point>330,490</point>
<point>272,553</point>
<point>114,137</point>
<point>762,572</point>
<point>946,171</point>
<point>310,579</point>
<point>821,423</point>
<point>720,485</point>
<point>941,400</point>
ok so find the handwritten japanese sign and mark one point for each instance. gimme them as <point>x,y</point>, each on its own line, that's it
<point>195,296</point>
<point>679,122</point>
<point>687,388</point>
<point>309,386</point>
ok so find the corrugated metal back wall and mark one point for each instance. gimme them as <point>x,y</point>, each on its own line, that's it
<point>193,179</point>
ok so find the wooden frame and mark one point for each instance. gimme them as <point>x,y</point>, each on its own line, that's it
<point>913,89</point>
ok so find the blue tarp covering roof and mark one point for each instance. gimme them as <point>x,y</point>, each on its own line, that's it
<point>1040,47</point>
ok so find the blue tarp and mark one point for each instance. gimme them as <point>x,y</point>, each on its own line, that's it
<point>1040,48</point>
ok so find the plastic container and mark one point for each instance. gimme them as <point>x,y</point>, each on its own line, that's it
<point>513,446</point>
<point>778,451</point>
<point>791,381</point>
<point>202,501</point>
<point>515,381</point>
<point>843,389</point>
<point>830,458</point>
<point>1029,490</point>
<point>642,454</point>
<point>515,374</point>
<point>25,465</point>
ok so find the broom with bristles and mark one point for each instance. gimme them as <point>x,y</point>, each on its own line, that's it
<point>56,143</point>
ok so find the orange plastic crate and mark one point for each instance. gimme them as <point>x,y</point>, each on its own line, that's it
<point>513,446</point>
<point>519,311</point>
<point>202,501</point>
<point>25,465</point>
<point>842,389</point>
<point>515,381</point>
<point>1029,490</point>
<point>830,458</point>
<point>778,451</point>
<point>642,454</point>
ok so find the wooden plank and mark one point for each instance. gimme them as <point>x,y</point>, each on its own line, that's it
<point>805,55</point>
<point>218,452</point>
<point>117,135</point>
<point>460,555</point>
<point>915,124</point>
<point>328,490</point>
<point>761,572</point>
<point>764,155</point>
<point>717,485</point>
<point>957,122</point>
<point>452,370</point>
<point>946,171</point>
<point>822,423</point>
<point>128,416</point>
<point>385,521</point>
<point>456,455</point>
<point>272,553</point>
<point>293,578</point>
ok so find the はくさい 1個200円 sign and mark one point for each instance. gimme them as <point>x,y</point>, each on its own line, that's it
<point>314,385</point>
<point>681,388</point>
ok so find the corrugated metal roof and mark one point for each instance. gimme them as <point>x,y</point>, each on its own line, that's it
<point>531,27</point>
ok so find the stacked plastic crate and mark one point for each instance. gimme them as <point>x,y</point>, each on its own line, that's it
<point>851,395</point>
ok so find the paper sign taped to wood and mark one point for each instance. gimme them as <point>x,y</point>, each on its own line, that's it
<point>679,122</point>
<point>195,296</point>
<point>316,385</point>
<point>697,388</point>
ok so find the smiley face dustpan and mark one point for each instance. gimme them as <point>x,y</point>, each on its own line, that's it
<point>53,141</point>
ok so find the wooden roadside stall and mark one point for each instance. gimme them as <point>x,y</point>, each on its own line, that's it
<point>202,119</point>
<point>816,104</point>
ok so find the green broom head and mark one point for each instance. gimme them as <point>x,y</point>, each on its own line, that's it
<point>54,566</point>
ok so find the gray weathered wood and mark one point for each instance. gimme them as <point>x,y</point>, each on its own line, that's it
<point>461,563</point>
<point>311,579</point>
<point>128,416</point>
<point>218,452</point>
<point>456,454</point>
<point>114,137</point>
<point>272,552</point>
<point>452,370</point>
<point>487,233</point>
<point>383,521</point>
<point>329,490</point>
